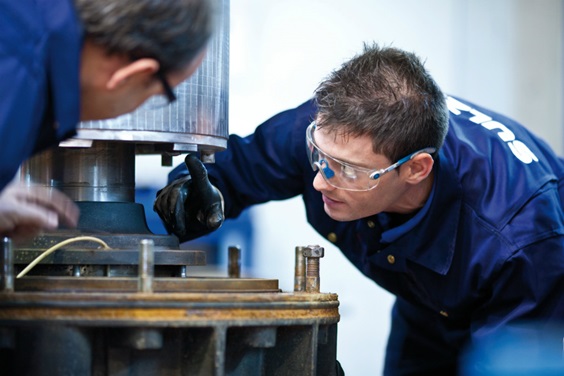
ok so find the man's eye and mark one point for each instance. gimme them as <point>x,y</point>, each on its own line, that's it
<point>348,172</point>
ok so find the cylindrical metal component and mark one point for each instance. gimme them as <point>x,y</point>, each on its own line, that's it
<point>183,273</point>
<point>76,271</point>
<point>146,265</point>
<point>299,270</point>
<point>312,255</point>
<point>312,275</point>
<point>98,164</point>
<point>197,121</point>
<point>103,172</point>
<point>234,262</point>
<point>7,260</point>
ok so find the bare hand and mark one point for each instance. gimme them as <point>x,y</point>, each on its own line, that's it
<point>25,210</point>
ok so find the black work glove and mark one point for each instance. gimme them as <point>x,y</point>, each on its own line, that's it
<point>190,206</point>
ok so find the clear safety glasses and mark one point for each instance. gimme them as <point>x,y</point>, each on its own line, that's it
<point>343,175</point>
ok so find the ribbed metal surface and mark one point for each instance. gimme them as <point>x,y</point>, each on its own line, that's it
<point>103,172</point>
<point>196,121</point>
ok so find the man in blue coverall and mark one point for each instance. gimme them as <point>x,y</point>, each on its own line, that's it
<point>454,209</point>
<point>65,61</point>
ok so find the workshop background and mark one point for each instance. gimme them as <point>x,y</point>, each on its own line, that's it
<point>505,55</point>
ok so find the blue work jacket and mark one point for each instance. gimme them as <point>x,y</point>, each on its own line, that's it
<point>40,44</point>
<point>485,251</point>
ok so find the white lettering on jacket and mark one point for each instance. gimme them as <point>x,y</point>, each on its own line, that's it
<point>518,148</point>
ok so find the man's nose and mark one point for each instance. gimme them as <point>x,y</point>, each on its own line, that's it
<point>320,184</point>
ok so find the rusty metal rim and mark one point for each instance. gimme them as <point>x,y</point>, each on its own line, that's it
<point>172,300</point>
<point>156,310</point>
<point>173,322</point>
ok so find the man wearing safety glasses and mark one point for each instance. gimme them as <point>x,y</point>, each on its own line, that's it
<point>451,207</point>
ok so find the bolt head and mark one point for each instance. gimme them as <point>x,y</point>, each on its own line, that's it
<point>313,251</point>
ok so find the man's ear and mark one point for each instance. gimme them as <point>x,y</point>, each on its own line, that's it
<point>420,167</point>
<point>138,69</point>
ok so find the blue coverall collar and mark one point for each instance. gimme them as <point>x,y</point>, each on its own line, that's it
<point>415,239</point>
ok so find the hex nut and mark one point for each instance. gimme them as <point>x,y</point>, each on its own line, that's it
<point>313,251</point>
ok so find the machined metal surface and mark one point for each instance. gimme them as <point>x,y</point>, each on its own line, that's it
<point>112,257</point>
<point>103,172</point>
<point>209,285</point>
<point>146,269</point>
<point>198,118</point>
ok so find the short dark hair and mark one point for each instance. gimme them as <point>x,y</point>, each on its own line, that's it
<point>171,31</point>
<point>388,94</point>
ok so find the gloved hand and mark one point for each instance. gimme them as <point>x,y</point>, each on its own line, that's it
<point>27,210</point>
<point>190,206</point>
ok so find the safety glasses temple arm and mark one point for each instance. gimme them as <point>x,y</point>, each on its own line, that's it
<point>383,171</point>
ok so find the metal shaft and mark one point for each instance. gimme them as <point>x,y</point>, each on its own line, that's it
<point>312,255</point>
<point>312,275</point>
<point>300,270</point>
<point>7,259</point>
<point>146,265</point>
<point>234,262</point>
<point>103,172</point>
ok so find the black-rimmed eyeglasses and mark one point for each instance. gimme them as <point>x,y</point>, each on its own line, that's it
<point>169,93</point>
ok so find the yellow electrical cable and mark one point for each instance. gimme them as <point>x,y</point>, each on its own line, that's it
<point>57,246</point>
